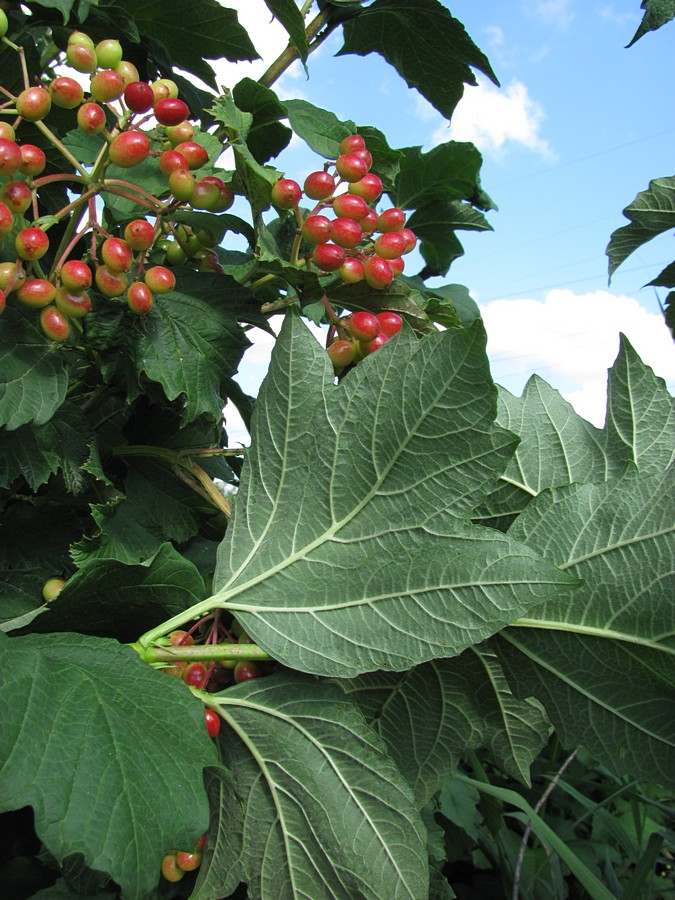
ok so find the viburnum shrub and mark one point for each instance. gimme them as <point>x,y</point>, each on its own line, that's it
<point>276,670</point>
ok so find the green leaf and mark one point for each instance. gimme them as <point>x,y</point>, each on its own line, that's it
<point>377,567</point>
<point>291,18</point>
<point>100,746</point>
<point>33,376</point>
<point>446,173</point>
<point>666,278</point>
<point>640,414</point>
<point>129,599</point>
<point>191,341</point>
<point>432,715</point>
<point>651,213</point>
<point>559,447</point>
<point>658,12</point>
<point>429,48</point>
<point>435,225</point>
<point>65,7</point>
<point>37,452</point>
<point>267,137</point>
<point>320,129</point>
<point>602,659</point>
<point>448,303</point>
<point>326,814</point>
<point>210,31</point>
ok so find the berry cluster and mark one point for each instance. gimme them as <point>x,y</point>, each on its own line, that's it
<point>177,862</point>
<point>347,243</point>
<point>121,265</point>
<point>214,675</point>
<point>359,335</point>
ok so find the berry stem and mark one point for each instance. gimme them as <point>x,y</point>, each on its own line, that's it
<point>290,54</point>
<point>63,150</point>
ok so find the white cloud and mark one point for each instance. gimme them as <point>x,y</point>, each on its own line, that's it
<point>495,35</point>
<point>571,340</point>
<point>492,118</point>
<point>555,12</point>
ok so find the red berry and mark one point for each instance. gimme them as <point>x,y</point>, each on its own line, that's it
<point>129,149</point>
<point>111,284</point>
<point>196,675</point>
<point>71,304</point>
<point>139,235</point>
<point>6,220</point>
<point>390,245</point>
<point>328,257</point>
<point>347,232</point>
<point>364,326</point>
<point>187,861</point>
<point>319,185</point>
<point>341,354</point>
<point>91,118</point>
<point>366,156</point>
<point>36,292</point>
<point>180,639</point>
<point>66,93</point>
<point>317,229</point>
<point>31,243</point>
<point>195,154</point>
<point>391,219</point>
<point>170,868</point>
<point>351,143</point>
<point>138,96</point>
<point>348,207</point>
<point>54,324</point>
<point>411,239</point>
<point>286,193</point>
<point>33,104</point>
<point>33,160</point>
<point>160,280</point>
<point>139,298</point>
<point>171,111</point>
<point>351,167</point>
<point>3,301</point>
<point>10,157</point>
<point>245,670</point>
<point>369,222</point>
<point>390,322</point>
<point>396,265</point>
<point>206,193</point>
<point>106,85</point>
<point>375,344</point>
<point>117,254</point>
<point>378,273</point>
<point>75,275</point>
<point>201,842</point>
<point>369,187</point>
<point>81,58</point>
<point>351,271</point>
<point>170,161</point>
<point>7,133</point>
<point>176,134</point>
<point>17,195</point>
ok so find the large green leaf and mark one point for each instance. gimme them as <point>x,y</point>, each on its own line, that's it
<point>429,48</point>
<point>602,659</point>
<point>326,814</point>
<point>447,172</point>
<point>111,599</point>
<point>430,716</point>
<point>210,31</point>
<point>267,137</point>
<point>657,13</point>
<point>320,129</point>
<point>377,566</point>
<point>107,752</point>
<point>291,18</point>
<point>559,447</point>
<point>33,376</point>
<point>651,213</point>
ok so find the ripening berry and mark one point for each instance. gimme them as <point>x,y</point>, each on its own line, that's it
<point>351,271</point>
<point>390,245</point>
<point>369,187</point>
<point>319,185</point>
<point>363,325</point>
<point>139,235</point>
<point>328,257</point>
<point>317,229</point>
<point>160,280</point>
<point>351,167</point>
<point>33,104</point>
<point>286,193</point>
<point>129,149</point>
<point>391,219</point>
<point>33,160</point>
<point>54,324</point>
<point>75,275</point>
<point>139,298</point>
<point>91,118</point>
<point>171,111</point>
<point>31,243</point>
<point>138,96</point>
<point>36,292</point>
<point>351,143</point>
<point>73,305</point>
<point>341,354</point>
<point>378,273</point>
<point>10,157</point>
<point>65,92</point>
<point>350,207</point>
<point>390,322</point>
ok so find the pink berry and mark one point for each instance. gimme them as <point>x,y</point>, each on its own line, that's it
<point>351,271</point>
<point>286,193</point>
<point>317,229</point>
<point>351,143</point>
<point>369,187</point>
<point>364,326</point>
<point>390,245</point>
<point>378,273</point>
<point>347,232</point>
<point>390,322</point>
<point>319,185</point>
<point>350,207</point>
<point>351,167</point>
<point>129,149</point>
<point>171,111</point>
<point>392,219</point>
<point>328,257</point>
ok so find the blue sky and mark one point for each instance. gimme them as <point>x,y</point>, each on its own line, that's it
<point>579,126</point>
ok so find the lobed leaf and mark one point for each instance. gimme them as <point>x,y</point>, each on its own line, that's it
<point>651,213</point>
<point>377,566</point>
<point>100,746</point>
<point>430,716</point>
<point>602,660</point>
<point>318,808</point>
<point>657,13</point>
<point>429,48</point>
<point>291,18</point>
